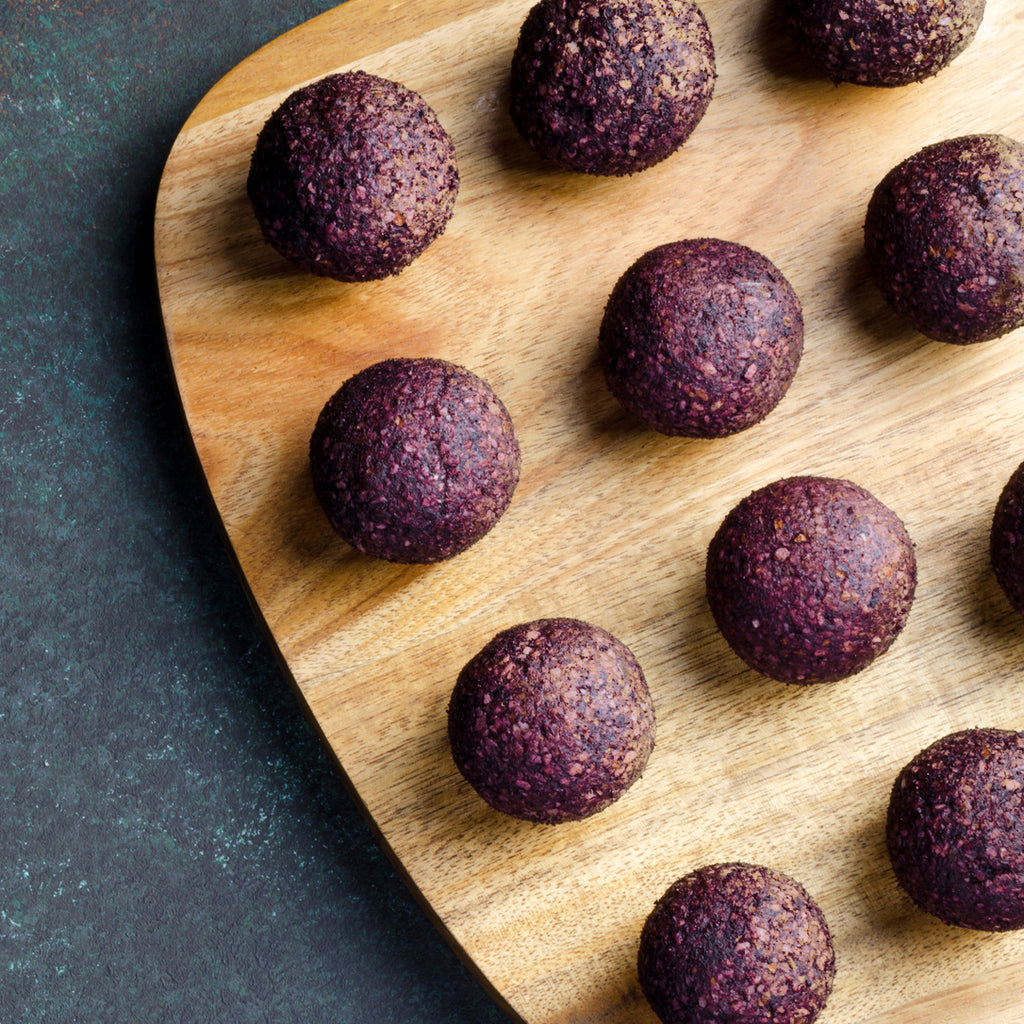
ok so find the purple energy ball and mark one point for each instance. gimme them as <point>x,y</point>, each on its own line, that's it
<point>551,721</point>
<point>883,44</point>
<point>414,460</point>
<point>611,88</point>
<point>1006,541</point>
<point>736,943</point>
<point>701,338</point>
<point>810,579</point>
<point>944,238</point>
<point>955,829</point>
<point>353,177</point>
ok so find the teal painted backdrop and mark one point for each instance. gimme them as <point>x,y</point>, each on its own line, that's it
<point>174,845</point>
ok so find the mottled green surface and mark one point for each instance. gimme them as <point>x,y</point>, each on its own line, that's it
<point>174,845</point>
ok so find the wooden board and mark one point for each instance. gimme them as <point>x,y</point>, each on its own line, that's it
<point>610,522</point>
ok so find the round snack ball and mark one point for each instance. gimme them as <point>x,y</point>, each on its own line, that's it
<point>955,829</point>
<point>353,177</point>
<point>611,88</point>
<point>551,721</point>
<point>414,460</point>
<point>944,237</point>
<point>810,579</point>
<point>701,338</point>
<point>1006,540</point>
<point>736,943</point>
<point>883,44</point>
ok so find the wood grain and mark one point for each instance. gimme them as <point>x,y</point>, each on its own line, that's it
<point>610,522</point>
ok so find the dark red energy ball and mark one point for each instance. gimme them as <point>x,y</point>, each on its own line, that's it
<point>884,44</point>
<point>353,177</point>
<point>810,579</point>
<point>955,829</point>
<point>551,721</point>
<point>736,943</point>
<point>701,338</point>
<point>1006,541</point>
<point>944,238</point>
<point>414,460</point>
<point>611,88</point>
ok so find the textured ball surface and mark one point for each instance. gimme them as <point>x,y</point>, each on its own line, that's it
<point>944,238</point>
<point>955,829</point>
<point>736,944</point>
<point>353,177</point>
<point>414,460</point>
<point>883,44</point>
<point>551,721</point>
<point>701,338</point>
<point>810,579</point>
<point>611,88</point>
<point>1006,541</point>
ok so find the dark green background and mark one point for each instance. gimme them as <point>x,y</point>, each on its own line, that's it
<point>174,844</point>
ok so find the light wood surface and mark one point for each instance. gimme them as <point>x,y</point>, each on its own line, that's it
<point>610,522</point>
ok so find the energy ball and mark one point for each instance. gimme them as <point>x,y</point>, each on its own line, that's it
<point>944,238</point>
<point>883,44</point>
<point>551,721</point>
<point>611,88</point>
<point>1006,540</point>
<point>738,943</point>
<point>414,460</point>
<point>353,177</point>
<point>955,829</point>
<point>701,338</point>
<point>810,579</point>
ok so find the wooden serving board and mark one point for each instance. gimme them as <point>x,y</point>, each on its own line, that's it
<point>610,522</point>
